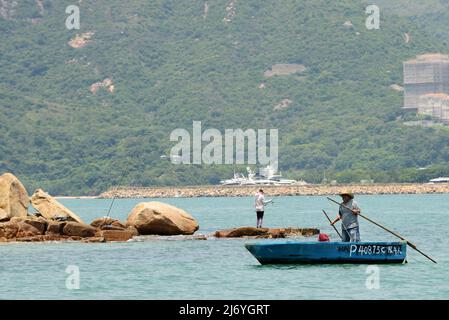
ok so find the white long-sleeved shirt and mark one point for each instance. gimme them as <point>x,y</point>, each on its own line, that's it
<point>260,202</point>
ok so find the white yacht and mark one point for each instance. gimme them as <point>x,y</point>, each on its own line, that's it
<point>439,180</point>
<point>269,173</point>
<point>236,181</point>
<point>254,179</point>
<point>267,176</point>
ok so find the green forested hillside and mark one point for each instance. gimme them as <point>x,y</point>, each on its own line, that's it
<point>172,62</point>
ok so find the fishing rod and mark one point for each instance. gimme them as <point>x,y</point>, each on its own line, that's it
<point>333,226</point>
<point>110,207</point>
<point>381,226</point>
<point>109,211</point>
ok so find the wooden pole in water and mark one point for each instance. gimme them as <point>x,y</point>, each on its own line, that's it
<point>381,226</point>
<point>330,221</point>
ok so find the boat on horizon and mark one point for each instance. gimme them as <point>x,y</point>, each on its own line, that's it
<point>439,180</point>
<point>301,252</point>
<point>267,176</point>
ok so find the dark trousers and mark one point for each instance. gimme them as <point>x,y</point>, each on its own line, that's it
<point>259,218</point>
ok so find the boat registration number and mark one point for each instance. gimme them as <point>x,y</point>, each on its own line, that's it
<point>372,249</point>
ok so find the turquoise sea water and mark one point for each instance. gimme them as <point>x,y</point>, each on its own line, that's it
<point>223,269</point>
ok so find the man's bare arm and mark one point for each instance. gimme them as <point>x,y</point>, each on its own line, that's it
<point>336,220</point>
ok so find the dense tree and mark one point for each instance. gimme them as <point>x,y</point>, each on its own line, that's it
<point>170,65</point>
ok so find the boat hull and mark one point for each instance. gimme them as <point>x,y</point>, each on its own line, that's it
<point>300,252</point>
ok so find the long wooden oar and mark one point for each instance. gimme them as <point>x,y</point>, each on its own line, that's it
<point>333,226</point>
<point>381,226</point>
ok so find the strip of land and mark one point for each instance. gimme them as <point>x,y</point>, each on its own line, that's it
<point>243,191</point>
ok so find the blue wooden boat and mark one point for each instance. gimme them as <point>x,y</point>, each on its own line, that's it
<point>301,252</point>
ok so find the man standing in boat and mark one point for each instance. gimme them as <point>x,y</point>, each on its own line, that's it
<point>260,207</point>
<point>349,219</point>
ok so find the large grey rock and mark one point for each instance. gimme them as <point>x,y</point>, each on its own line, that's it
<point>14,200</point>
<point>50,208</point>
<point>161,219</point>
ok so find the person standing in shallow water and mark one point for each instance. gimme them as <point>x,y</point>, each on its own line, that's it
<point>349,218</point>
<point>260,207</point>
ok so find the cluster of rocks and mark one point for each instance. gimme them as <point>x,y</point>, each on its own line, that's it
<point>54,222</point>
<point>293,190</point>
<point>266,233</point>
<point>37,229</point>
<point>81,40</point>
<point>106,84</point>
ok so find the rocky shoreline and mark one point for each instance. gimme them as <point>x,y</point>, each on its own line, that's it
<point>53,222</point>
<point>243,191</point>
